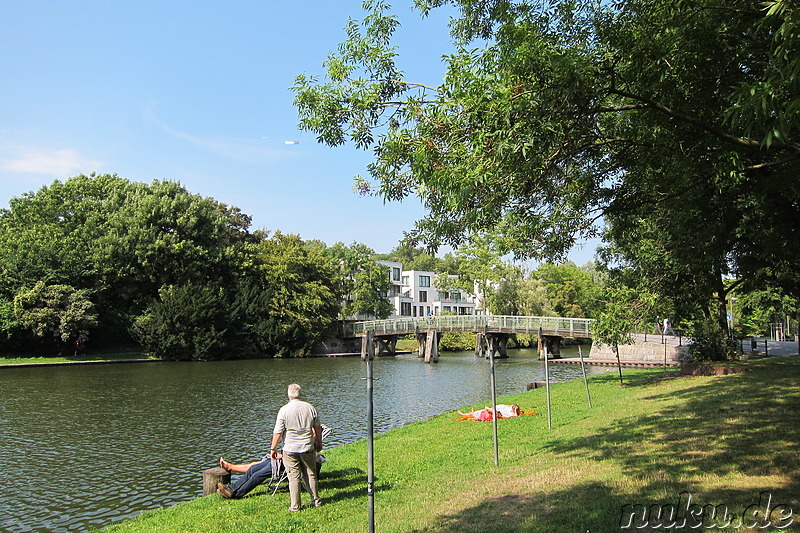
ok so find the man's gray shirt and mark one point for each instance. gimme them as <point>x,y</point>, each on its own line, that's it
<point>296,420</point>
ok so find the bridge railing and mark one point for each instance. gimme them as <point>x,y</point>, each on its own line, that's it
<point>565,327</point>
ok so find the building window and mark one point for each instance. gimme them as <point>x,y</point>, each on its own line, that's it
<point>446,308</point>
<point>405,280</point>
<point>443,296</point>
<point>456,296</point>
<point>424,281</point>
<point>395,274</point>
<point>423,296</point>
<point>405,308</point>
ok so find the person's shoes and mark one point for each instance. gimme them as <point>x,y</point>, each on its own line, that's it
<point>224,491</point>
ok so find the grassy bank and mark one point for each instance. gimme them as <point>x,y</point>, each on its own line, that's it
<point>30,360</point>
<point>723,439</point>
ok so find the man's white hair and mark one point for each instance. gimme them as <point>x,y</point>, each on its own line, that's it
<point>294,391</point>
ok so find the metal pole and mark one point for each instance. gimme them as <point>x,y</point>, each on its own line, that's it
<point>370,454</point>
<point>370,353</point>
<point>494,398</point>
<point>546,381</point>
<point>585,381</point>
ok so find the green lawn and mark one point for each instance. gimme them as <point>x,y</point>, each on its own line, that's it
<point>116,356</point>
<point>723,440</point>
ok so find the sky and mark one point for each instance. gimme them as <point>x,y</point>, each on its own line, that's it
<point>198,92</point>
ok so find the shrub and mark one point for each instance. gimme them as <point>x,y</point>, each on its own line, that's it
<point>711,343</point>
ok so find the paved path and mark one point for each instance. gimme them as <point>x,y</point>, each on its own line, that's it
<point>776,348</point>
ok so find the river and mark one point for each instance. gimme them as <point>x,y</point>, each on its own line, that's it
<point>84,446</point>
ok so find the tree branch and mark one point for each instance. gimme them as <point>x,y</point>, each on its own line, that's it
<point>742,142</point>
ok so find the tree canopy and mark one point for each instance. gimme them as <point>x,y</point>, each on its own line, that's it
<point>123,261</point>
<point>673,125</point>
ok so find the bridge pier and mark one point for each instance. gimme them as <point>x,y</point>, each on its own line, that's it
<point>492,343</point>
<point>382,344</point>
<point>553,344</point>
<point>387,344</point>
<point>428,343</point>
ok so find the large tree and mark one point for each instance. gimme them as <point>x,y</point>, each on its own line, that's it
<point>178,271</point>
<point>665,119</point>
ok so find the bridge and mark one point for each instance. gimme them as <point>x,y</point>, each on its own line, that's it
<point>492,331</point>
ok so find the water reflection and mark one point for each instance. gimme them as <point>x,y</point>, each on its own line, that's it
<point>89,445</point>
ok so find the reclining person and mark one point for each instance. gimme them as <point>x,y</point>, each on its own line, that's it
<point>504,411</point>
<point>255,474</point>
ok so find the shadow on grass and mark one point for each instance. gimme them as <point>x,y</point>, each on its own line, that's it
<point>590,507</point>
<point>743,424</point>
<point>731,439</point>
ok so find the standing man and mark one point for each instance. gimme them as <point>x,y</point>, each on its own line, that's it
<point>299,427</point>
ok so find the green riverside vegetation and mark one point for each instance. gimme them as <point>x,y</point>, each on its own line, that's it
<point>724,440</point>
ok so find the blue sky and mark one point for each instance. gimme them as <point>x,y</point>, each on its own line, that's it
<point>197,92</point>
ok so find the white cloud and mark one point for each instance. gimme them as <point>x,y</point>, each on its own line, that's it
<point>246,150</point>
<point>53,162</point>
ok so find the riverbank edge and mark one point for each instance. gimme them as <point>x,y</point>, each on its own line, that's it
<point>70,363</point>
<point>579,475</point>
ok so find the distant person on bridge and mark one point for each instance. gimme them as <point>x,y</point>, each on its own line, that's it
<point>668,327</point>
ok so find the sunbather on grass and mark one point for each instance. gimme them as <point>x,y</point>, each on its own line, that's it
<point>255,473</point>
<point>505,411</point>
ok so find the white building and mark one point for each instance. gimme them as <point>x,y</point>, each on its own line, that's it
<point>414,293</point>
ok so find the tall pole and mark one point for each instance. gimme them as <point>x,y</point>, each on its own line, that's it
<point>369,355</point>
<point>585,381</point>
<point>546,381</point>
<point>494,397</point>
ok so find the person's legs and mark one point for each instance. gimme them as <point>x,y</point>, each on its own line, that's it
<point>233,467</point>
<point>257,474</point>
<point>309,462</point>
<point>292,463</point>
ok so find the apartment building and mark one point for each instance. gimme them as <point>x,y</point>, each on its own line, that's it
<point>414,293</point>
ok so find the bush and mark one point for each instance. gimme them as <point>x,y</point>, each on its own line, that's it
<point>457,341</point>
<point>711,343</point>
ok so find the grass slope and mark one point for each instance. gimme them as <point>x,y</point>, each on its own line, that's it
<point>722,439</point>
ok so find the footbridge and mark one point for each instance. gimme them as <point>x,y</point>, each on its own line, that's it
<point>492,332</point>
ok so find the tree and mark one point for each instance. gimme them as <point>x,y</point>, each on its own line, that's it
<point>187,322</point>
<point>362,284</point>
<point>555,116</point>
<point>58,312</point>
<point>413,258</point>
<point>302,301</point>
<point>570,290</point>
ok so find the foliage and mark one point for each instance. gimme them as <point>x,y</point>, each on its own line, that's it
<point>710,342</point>
<point>8,319</point>
<point>302,299</point>
<point>570,290</point>
<point>187,322</point>
<point>60,312</point>
<point>142,251</point>
<point>361,283</point>
<point>618,318</point>
<point>673,122</point>
<point>457,341</point>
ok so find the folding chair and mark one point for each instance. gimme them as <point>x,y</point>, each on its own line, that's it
<point>279,474</point>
